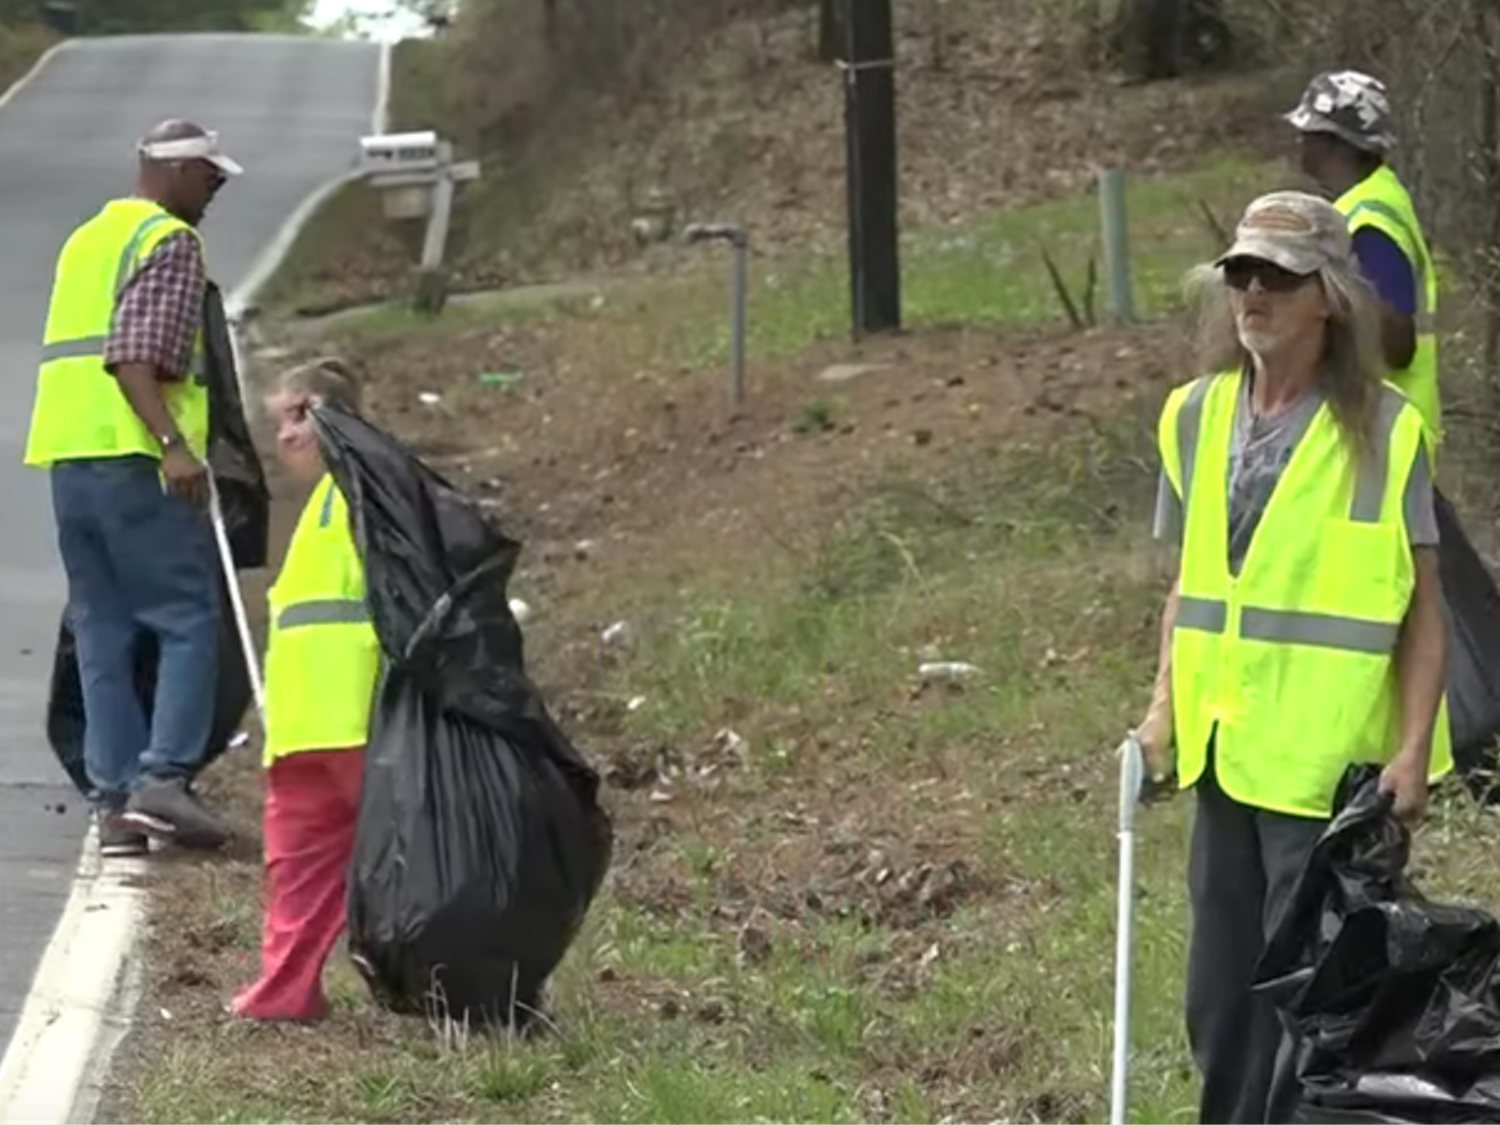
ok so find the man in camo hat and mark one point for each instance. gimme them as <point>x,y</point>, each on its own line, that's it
<point>1347,133</point>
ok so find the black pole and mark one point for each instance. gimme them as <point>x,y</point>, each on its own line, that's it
<point>870,126</point>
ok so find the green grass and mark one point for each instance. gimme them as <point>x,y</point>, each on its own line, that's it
<point>469,312</point>
<point>990,270</point>
<point>987,271</point>
<point>1002,557</point>
<point>1030,563</point>
<point>812,1033</point>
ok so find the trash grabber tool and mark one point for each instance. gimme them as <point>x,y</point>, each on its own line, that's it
<point>236,599</point>
<point>1132,776</point>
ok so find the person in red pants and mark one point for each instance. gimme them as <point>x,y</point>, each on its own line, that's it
<point>322,665</point>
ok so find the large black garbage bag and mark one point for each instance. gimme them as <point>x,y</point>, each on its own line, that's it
<point>236,466</point>
<point>1473,650</point>
<point>245,502</point>
<point>481,843</point>
<point>65,721</point>
<point>1396,999</point>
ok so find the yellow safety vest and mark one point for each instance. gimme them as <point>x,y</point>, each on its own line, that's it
<point>80,412</point>
<point>1289,667</point>
<point>1380,201</point>
<point>324,659</point>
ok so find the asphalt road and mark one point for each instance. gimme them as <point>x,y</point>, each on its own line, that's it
<point>289,110</point>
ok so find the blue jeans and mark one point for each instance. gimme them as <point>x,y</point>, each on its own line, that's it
<point>138,562</point>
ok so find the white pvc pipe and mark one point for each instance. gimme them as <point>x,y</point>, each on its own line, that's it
<point>1132,770</point>
<point>236,599</point>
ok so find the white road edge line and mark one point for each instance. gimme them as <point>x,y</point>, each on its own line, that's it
<point>80,1003</point>
<point>54,1067</point>
<point>44,1076</point>
<point>36,68</point>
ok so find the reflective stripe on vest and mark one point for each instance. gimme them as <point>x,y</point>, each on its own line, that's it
<point>80,410</point>
<point>324,657</point>
<point>1322,630</point>
<point>1288,669</point>
<point>332,611</point>
<point>1380,201</point>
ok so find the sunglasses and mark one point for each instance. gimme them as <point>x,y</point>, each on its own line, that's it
<point>211,172</point>
<point>1240,272</point>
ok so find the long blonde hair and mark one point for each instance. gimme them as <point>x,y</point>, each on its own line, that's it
<point>1353,367</point>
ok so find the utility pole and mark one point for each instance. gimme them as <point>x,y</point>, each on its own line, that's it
<point>869,67</point>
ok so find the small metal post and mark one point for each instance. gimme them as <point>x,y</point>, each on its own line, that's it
<point>739,293</point>
<point>739,296</point>
<point>1116,243</point>
<point>434,245</point>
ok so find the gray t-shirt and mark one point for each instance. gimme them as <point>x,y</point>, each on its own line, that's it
<point>1258,455</point>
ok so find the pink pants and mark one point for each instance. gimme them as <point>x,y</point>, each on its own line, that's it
<point>312,800</point>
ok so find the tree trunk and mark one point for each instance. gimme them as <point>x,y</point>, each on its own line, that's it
<point>831,15</point>
<point>936,28</point>
<point>1160,39</point>
<point>549,23</point>
<point>1489,169</point>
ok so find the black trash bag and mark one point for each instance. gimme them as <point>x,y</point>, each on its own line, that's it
<point>243,495</point>
<point>1396,999</point>
<point>1473,651</point>
<point>65,721</point>
<point>246,505</point>
<point>481,843</point>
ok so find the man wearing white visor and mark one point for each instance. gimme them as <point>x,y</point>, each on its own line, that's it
<point>121,423</point>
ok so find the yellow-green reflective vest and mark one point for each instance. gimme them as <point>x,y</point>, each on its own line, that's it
<point>80,412</point>
<point>1289,667</point>
<point>324,659</point>
<point>1380,201</point>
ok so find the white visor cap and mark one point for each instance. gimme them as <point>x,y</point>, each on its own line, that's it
<point>204,146</point>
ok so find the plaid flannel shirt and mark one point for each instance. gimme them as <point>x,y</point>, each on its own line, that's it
<point>157,316</point>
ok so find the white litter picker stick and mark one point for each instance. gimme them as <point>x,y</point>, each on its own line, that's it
<point>236,599</point>
<point>1132,775</point>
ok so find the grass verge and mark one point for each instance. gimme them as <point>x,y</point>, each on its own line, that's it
<point>840,893</point>
<point>990,270</point>
<point>875,900</point>
<point>20,46</point>
<point>929,959</point>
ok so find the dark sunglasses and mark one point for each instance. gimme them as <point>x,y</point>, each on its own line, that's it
<point>211,172</point>
<point>1240,272</point>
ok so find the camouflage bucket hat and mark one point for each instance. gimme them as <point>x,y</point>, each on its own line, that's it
<point>1296,231</point>
<point>1349,104</point>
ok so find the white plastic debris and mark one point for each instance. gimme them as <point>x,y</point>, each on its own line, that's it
<point>428,398</point>
<point>241,738</point>
<point>616,635</point>
<point>520,611</point>
<point>730,744</point>
<point>635,703</point>
<point>946,672</point>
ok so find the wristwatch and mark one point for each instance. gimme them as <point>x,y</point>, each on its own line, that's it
<point>169,441</point>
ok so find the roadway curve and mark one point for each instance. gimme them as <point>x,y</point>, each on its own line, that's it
<point>290,110</point>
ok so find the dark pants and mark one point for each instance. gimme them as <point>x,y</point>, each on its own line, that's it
<point>137,561</point>
<point>1243,867</point>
